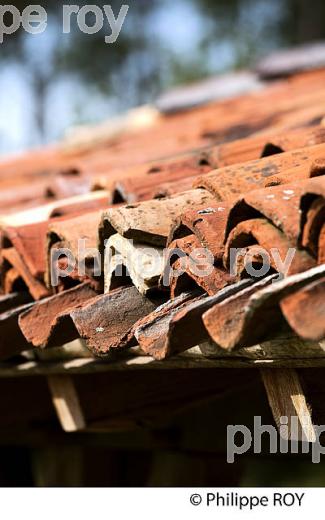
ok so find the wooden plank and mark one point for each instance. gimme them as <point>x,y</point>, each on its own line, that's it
<point>66,403</point>
<point>287,400</point>
<point>285,347</point>
<point>188,360</point>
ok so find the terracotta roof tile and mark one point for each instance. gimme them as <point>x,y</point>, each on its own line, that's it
<point>207,224</point>
<point>67,234</point>
<point>228,183</point>
<point>46,323</point>
<point>150,221</point>
<point>22,255</point>
<point>280,205</point>
<point>71,206</point>
<point>211,283</point>
<point>312,226</point>
<point>180,326</point>
<point>11,259</point>
<point>263,233</point>
<point>29,242</point>
<point>106,321</point>
<point>305,312</point>
<point>244,319</point>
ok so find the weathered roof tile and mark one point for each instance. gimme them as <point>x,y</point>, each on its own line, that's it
<point>47,323</point>
<point>254,314</point>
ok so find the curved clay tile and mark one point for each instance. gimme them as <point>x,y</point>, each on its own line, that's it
<point>305,310</point>
<point>72,206</point>
<point>280,205</point>
<point>182,271</point>
<point>46,323</point>
<point>12,260</point>
<point>68,234</point>
<point>208,225</point>
<point>180,327</point>
<point>259,146</point>
<point>210,283</point>
<point>272,240</point>
<point>312,223</point>
<point>244,319</point>
<point>230,182</point>
<point>23,249</point>
<point>176,175</point>
<point>150,221</point>
<point>106,321</point>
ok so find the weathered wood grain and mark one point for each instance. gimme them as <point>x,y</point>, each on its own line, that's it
<point>289,404</point>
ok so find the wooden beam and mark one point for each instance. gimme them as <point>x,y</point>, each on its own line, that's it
<point>294,353</point>
<point>287,400</point>
<point>66,403</point>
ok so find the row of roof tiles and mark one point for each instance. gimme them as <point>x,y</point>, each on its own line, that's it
<point>295,103</point>
<point>258,193</point>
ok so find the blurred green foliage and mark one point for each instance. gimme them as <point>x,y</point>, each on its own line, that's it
<point>133,71</point>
